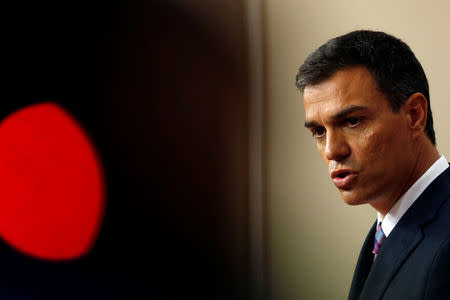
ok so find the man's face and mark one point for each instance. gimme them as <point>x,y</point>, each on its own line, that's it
<point>366,146</point>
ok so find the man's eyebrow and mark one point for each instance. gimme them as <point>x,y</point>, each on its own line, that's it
<point>347,111</point>
<point>339,115</point>
<point>311,124</point>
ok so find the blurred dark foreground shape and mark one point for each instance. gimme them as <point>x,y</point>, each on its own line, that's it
<point>162,93</point>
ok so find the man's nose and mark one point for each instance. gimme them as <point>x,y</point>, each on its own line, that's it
<point>336,147</point>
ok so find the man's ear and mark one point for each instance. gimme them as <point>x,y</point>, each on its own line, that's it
<point>416,112</point>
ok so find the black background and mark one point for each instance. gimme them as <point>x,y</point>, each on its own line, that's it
<point>162,101</point>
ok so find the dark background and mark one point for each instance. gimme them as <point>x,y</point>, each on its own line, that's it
<point>162,93</point>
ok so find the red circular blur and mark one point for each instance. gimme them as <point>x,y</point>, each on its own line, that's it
<point>51,184</point>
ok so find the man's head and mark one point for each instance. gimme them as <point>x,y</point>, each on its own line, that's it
<point>369,114</point>
<point>394,67</point>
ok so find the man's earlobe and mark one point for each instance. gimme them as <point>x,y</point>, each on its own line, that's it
<point>416,109</point>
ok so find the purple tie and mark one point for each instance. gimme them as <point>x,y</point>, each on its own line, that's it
<point>379,239</point>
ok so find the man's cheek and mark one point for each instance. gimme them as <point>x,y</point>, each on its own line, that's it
<point>372,146</point>
<point>321,151</point>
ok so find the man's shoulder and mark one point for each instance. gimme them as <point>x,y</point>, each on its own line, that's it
<point>438,285</point>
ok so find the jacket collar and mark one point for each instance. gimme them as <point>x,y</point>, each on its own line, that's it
<point>404,238</point>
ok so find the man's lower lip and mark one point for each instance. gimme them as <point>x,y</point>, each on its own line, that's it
<point>346,182</point>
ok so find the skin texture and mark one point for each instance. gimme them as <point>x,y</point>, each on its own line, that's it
<point>355,129</point>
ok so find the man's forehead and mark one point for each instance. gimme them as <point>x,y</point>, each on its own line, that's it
<point>322,100</point>
<point>348,87</point>
<point>342,81</point>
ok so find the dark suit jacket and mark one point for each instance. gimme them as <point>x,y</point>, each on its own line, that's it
<point>414,261</point>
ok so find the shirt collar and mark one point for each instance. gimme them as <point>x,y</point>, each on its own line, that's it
<point>407,199</point>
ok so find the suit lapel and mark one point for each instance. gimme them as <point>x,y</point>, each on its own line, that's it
<point>363,266</point>
<point>405,237</point>
<point>392,255</point>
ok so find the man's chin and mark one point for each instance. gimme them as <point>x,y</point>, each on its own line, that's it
<point>351,198</point>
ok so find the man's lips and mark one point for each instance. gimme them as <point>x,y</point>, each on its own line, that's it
<point>344,178</point>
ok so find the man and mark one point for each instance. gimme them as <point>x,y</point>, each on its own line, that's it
<point>367,104</point>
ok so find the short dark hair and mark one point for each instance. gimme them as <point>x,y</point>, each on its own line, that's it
<point>394,67</point>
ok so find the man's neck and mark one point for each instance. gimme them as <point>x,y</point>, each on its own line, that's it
<point>426,155</point>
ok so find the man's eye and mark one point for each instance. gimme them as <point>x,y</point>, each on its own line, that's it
<point>318,132</point>
<point>352,121</point>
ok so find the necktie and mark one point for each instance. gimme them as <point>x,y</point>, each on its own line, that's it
<point>379,239</point>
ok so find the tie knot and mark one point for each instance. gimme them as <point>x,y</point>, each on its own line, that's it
<point>379,239</point>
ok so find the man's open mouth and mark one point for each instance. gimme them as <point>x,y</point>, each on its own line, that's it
<point>344,178</point>
<point>343,174</point>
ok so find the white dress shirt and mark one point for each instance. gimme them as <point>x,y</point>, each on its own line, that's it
<point>401,206</point>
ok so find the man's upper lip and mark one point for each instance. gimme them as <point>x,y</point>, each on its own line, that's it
<point>336,173</point>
